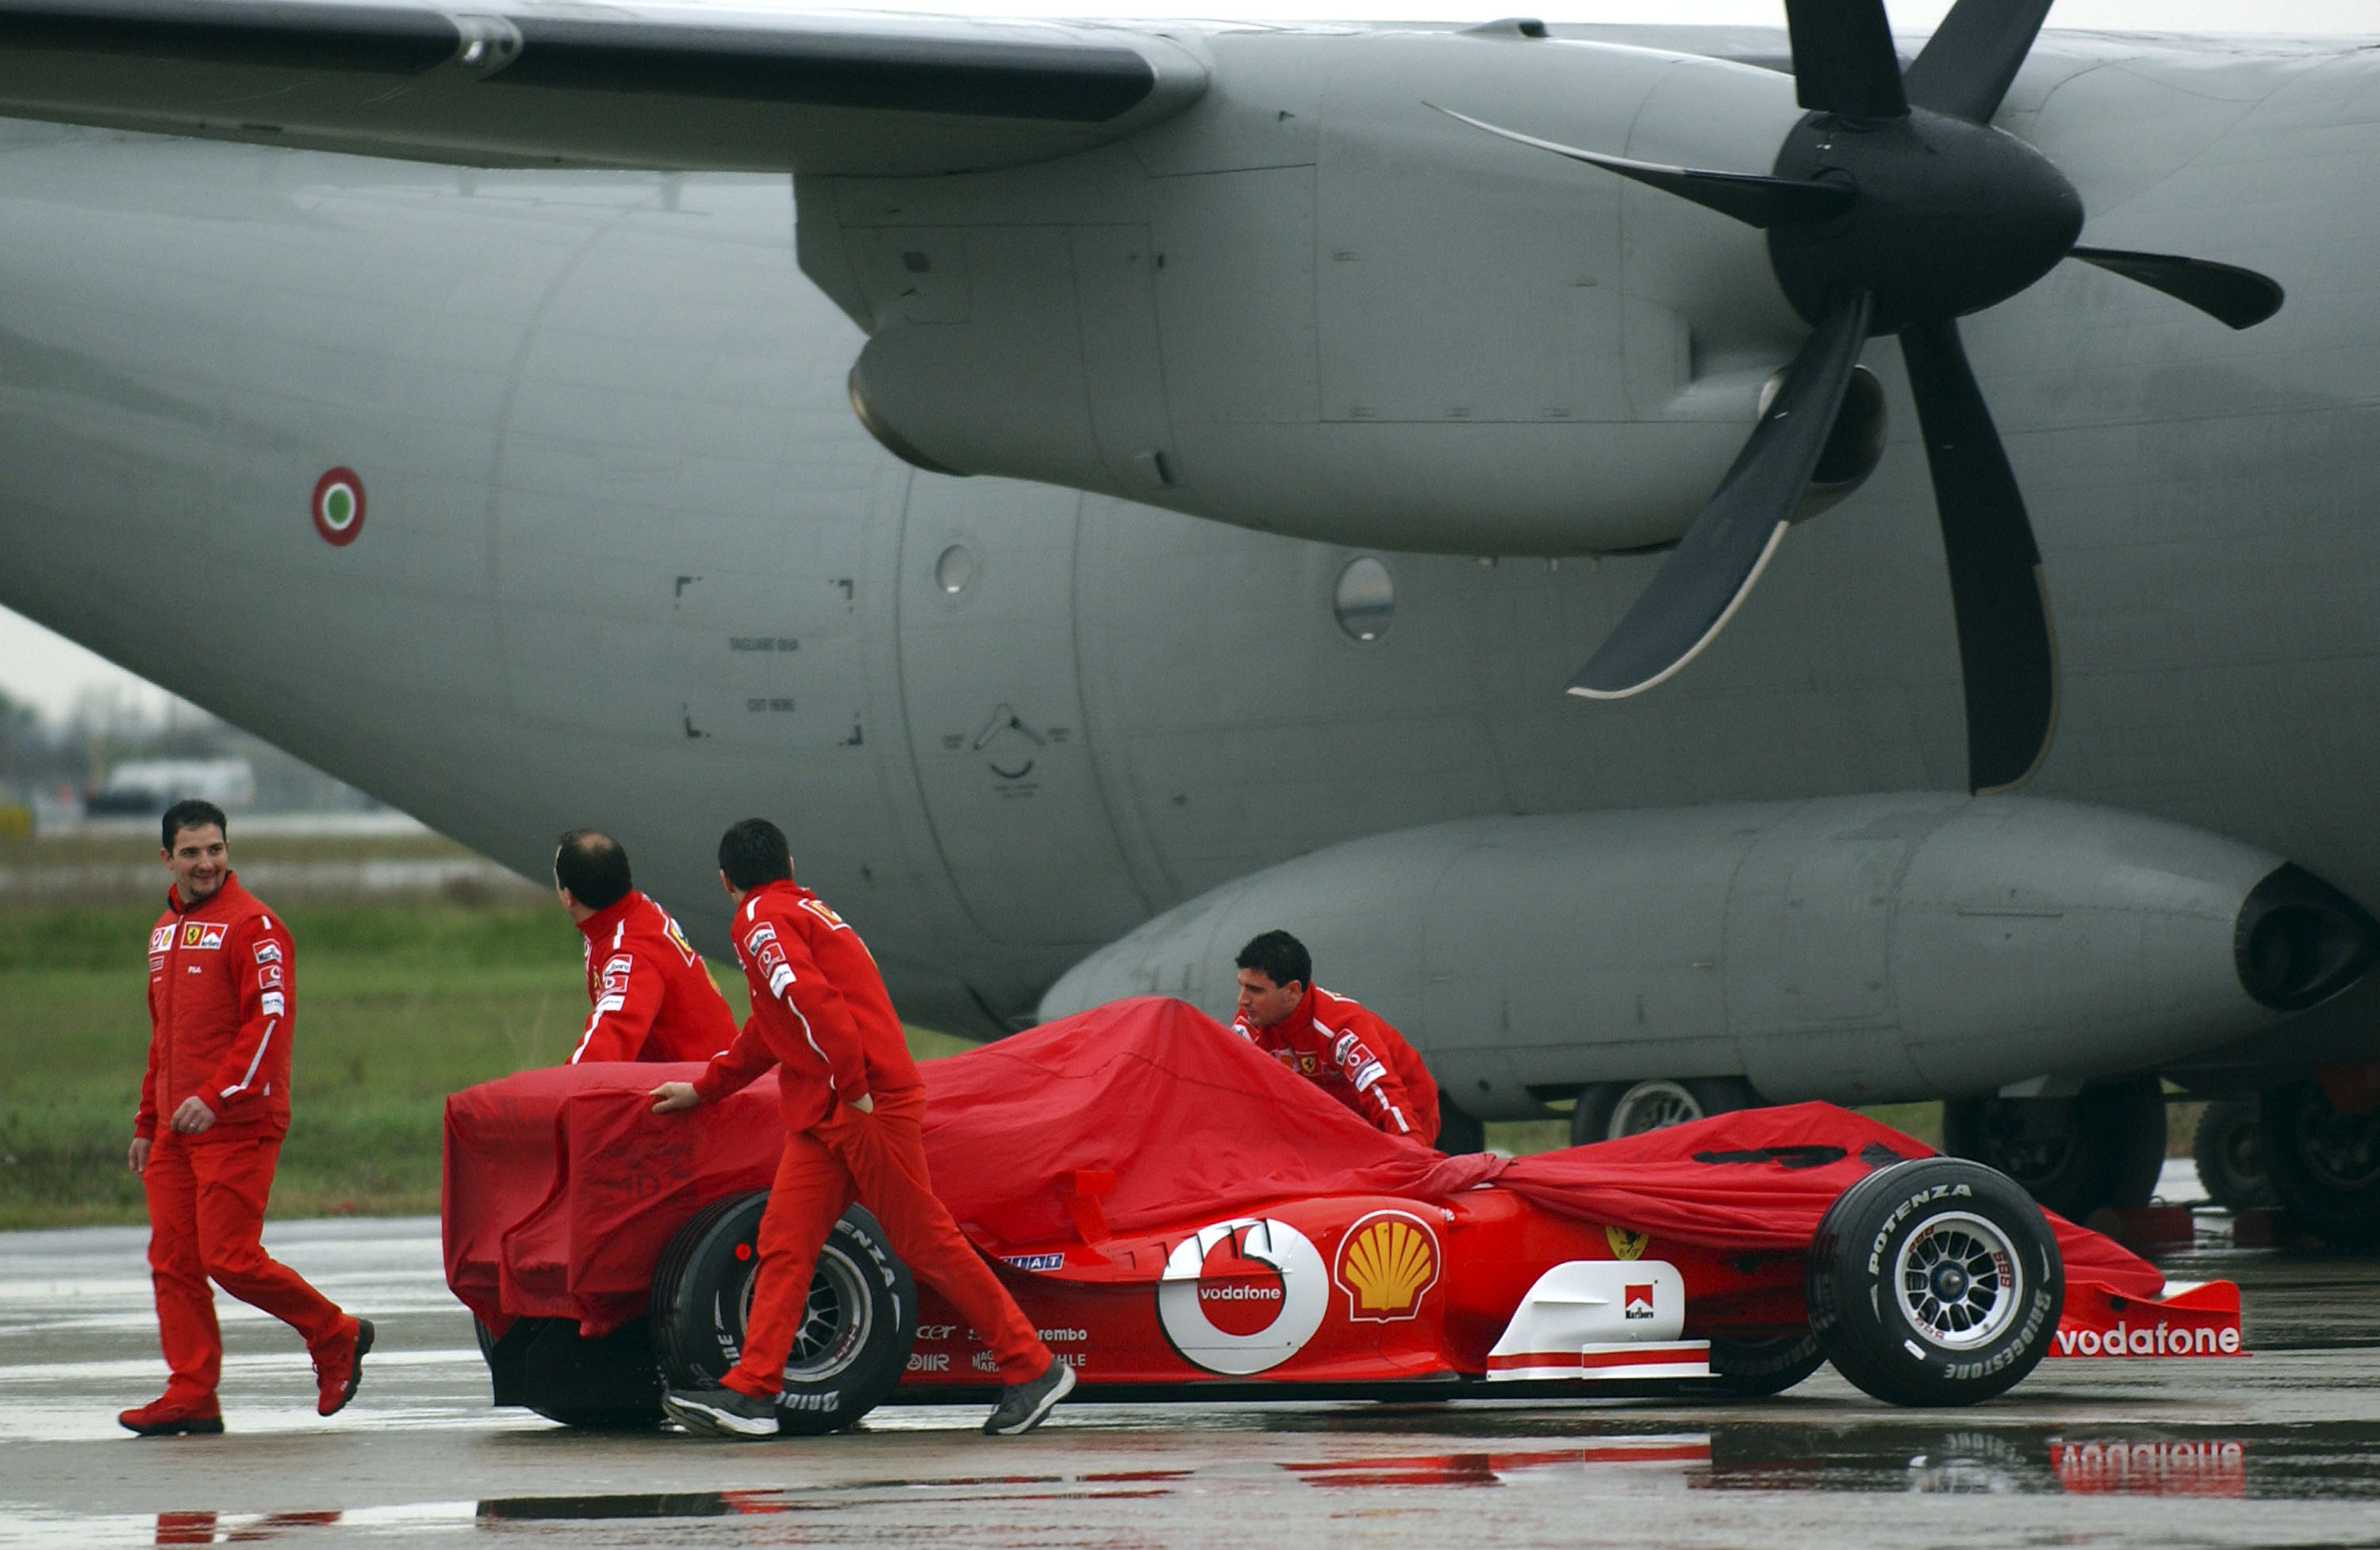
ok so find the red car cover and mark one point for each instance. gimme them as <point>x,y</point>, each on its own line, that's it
<point>561,1190</point>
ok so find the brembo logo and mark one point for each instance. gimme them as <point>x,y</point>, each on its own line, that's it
<point>1242,1296</point>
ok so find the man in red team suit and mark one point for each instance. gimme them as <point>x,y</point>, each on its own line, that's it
<point>222,1002</point>
<point>652,995</point>
<point>1350,1053</point>
<point>853,1105</point>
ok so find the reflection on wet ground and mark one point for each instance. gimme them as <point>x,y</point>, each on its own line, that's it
<point>2279,1448</point>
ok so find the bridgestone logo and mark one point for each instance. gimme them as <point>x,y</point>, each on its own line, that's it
<point>832,1400</point>
<point>1239,1294</point>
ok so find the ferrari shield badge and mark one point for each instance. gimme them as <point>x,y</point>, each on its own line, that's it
<point>1387,1262</point>
<point>1626,1244</point>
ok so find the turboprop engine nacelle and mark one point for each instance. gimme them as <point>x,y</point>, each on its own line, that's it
<point>1312,304</point>
<point>1863,950</point>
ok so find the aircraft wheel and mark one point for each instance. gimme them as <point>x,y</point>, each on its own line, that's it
<point>854,1343</point>
<point>1755,1369</point>
<point>2230,1150</point>
<point>1610,1109</point>
<point>1935,1282</point>
<point>1457,1131</point>
<point>2105,1146</point>
<point>2324,1165</point>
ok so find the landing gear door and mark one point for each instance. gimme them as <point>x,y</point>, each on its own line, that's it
<point>995,712</point>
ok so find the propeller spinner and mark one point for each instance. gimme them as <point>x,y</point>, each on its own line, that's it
<point>1895,207</point>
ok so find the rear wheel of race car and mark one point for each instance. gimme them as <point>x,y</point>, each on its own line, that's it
<point>861,1319</point>
<point>1935,1282</point>
<point>1755,1369</point>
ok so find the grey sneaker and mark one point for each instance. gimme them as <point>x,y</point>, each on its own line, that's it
<point>724,1412</point>
<point>1024,1406</point>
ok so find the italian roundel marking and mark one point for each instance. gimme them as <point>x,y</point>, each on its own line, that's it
<point>339,506</point>
<point>1242,1296</point>
<point>1387,1264</point>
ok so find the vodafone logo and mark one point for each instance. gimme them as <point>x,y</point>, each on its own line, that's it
<point>1242,1296</point>
<point>339,506</point>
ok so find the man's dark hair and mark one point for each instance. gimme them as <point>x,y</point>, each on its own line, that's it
<point>1280,958</point>
<point>192,814</point>
<point>591,864</point>
<point>753,853</point>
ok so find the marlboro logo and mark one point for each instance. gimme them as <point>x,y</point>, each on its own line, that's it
<point>1638,1301</point>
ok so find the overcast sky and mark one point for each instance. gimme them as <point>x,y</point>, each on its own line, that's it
<point>45,671</point>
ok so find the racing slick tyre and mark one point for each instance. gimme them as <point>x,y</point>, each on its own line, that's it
<point>855,1339</point>
<point>1755,1369</point>
<point>2324,1165</point>
<point>1610,1109</point>
<point>2105,1146</point>
<point>2230,1151</point>
<point>1935,1282</point>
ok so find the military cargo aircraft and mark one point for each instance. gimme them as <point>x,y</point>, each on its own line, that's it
<point>1110,489</point>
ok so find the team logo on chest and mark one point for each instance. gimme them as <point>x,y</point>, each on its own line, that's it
<point>203,934</point>
<point>1387,1264</point>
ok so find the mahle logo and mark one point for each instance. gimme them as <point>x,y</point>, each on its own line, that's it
<point>1386,1263</point>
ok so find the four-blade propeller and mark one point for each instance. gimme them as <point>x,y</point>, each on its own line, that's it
<point>1895,207</point>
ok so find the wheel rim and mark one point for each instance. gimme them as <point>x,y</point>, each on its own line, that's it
<point>1652,1105</point>
<point>2242,1151</point>
<point>836,1320</point>
<point>1957,1281</point>
<point>2342,1150</point>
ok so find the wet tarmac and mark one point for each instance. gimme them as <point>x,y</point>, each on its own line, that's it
<point>2279,1448</point>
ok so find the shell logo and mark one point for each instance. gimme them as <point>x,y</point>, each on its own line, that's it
<point>1387,1262</point>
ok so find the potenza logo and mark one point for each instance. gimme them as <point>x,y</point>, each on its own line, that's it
<point>1387,1262</point>
<point>1242,1296</point>
<point>203,935</point>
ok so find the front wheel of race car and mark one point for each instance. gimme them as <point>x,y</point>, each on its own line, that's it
<point>1757,1369</point>
<point>1935,1282</point>
<point>854,1342</point>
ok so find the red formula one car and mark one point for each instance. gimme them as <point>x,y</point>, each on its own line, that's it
<point>1184,1219</point>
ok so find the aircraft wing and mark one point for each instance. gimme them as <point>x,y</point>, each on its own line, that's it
<point>513,84</point>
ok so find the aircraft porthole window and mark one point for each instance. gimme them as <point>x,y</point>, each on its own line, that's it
<point>955,570</point>
<point>1364,600</point>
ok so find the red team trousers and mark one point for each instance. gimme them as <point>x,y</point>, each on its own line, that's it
<point>878,1159</point>
<point>206,1211</point>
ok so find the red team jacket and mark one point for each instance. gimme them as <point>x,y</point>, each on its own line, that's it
<point>820,1013</point>
<point>221,995</point>
<point>1356,1058</point>
<point>653,998</point>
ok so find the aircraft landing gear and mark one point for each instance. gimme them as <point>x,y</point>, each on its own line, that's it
<point>1610,1109</point>
<point>2230,1150</point>
<point>2324,1165</point>
<point>1457,1131</point>
<point>2104,1147</point>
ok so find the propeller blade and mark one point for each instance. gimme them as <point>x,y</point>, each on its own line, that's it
<point>1964,69</point>
<point>1710,574</point>
<point>1755,200</point>
<point>1843,61</point>
<point>2007,653</point>
<point>2236,297</point>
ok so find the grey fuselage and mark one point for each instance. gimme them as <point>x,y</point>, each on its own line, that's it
<point>630,560</point>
